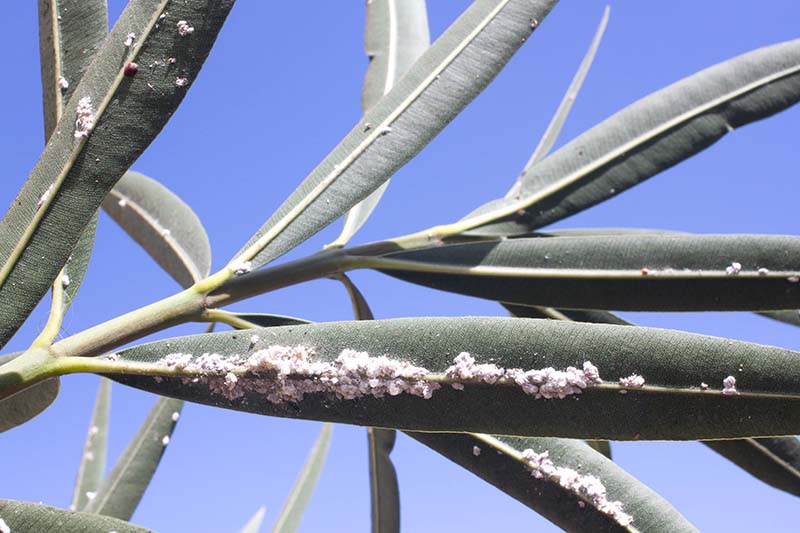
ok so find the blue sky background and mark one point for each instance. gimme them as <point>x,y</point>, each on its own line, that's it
<point>280,89</point>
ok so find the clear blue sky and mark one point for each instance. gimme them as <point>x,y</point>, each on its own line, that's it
<point>280,89</point>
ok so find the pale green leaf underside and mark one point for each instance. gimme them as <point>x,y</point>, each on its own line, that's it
<point>41,228</point>
<point>292,512</point>
<point>168,230</point>
<point>637,272</point>
<point>671,405</point>
<point>254,524</point>
<point>648,137</point>
<point>27,404</point>
<point>124,487</point>
<point>557,122</point>
<point>498,463</point>
<point>25,517</point>
<point>384,491</point>
<point>396,36</point>
<point>458,66</point>
<point>93,460</point>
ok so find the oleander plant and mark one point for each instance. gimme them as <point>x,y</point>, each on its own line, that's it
<point>527,400</point>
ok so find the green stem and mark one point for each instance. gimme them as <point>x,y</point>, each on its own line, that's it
<point>53,326</point>
<point>213,292</point>
<point>183,307</point>
<point>321,265</point>
<point>226,317</point>
<point>28,369</point>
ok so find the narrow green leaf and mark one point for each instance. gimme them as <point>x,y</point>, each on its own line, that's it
<point>258,320</point>
<point>124,487</point>
<point>576,315</point>
<point>670,272</point>
<point>292,512</point>
<point>361,309</point>
<point>775,461</point>
<point>25,517</point>
<point>167,228</point>
<point>789,317</point>
<point>396,36</point>
<point>93,461</point>
<point>74,174</point>
<point>70,32</point>
<point>601,446</point>
<point>77,263</point>
<point>672,404</point>
<point>384,491</point>
<point>254,524</point>
<point>458,66</point>
<point>648,137</point>
<point>499,460</point>
<point>27,404</point>
<point>557,122</point>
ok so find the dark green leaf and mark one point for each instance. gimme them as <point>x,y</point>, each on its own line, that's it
<point>775,461</point>
<point>93,460</point>
<point>672,404</point>
<point>163,225</point>
<point>384,492</point>
<point>396,36</point>
<point>70,32</point>
<point>74,174</point>
<point>576,315</point>
<point>648,137</point>
<point>292,512</point>
<point>600,446</point>
<point>498,460</point>
<point>269,321</point>
<point>458,66</point>
<point>674,272</point>
<point>27,404</point>
<point>25,517</point>
<point>361,308</point>
<point>124,487</point>
<point>78,262</point>
<point>789,317</point>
